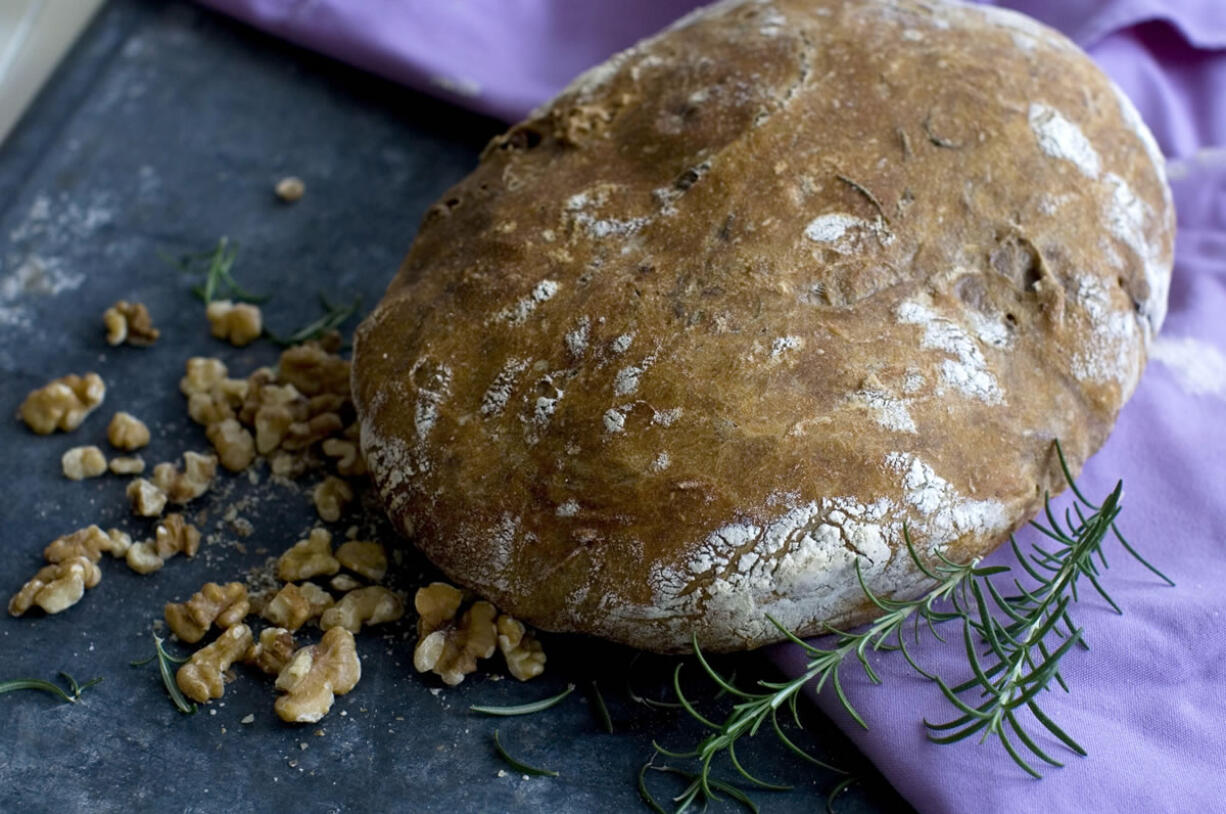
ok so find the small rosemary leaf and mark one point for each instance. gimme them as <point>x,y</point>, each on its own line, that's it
<point>335,316</point>
<point>1051,727</point>
<point>164,661</point>
<point>838,789</point>
<point>667,753</point>
<point>725,685</point>
<point>522,768</point>
<point>16,684</point>
<point>1018,759</point>
<point>736,764</point>
<point>601,709</point>
<point>797,750</point>
<point>525,709</point>
<point>685,702</point>
<point>1011,719</point>
<point>645,793</point>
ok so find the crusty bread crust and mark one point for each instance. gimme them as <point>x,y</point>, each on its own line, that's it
<point>741,302</point>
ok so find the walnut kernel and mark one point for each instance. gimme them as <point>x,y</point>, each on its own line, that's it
<point>127,465</point>
<point>238,323</point>
<point>129,322</point>
<point>89,542</point>
<point>234,445</point>
<point>332,497</point>
<point>203,676</point>
<point>363,557</point>
<point>308,558</point>
<point>311,369</point>
<point>63,403</point>
<point>349,460</point>
<point>143,557</point>
<point>223,605</point>
<point>182,486</point>
<point>295,605</point>
<point>202,375</point>
<point>290,189</point>
<point>79,463</point>
<point>174,535</point>
<point>56,587</point>
<point>315,675</point>
<point>127,432</point>
<point>436,605</point>
<point>365,606</point>
<point>147,500</point>
<point>343,583</point>
<point>524,654</point>
<point>451,652</point>
<point>273,650</point>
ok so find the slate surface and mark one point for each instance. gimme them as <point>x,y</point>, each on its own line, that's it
<point>165,129</point>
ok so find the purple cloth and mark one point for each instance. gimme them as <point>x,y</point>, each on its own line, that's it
<point>1149,702</point>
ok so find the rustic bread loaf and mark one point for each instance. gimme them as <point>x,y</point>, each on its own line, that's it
<point>713,325</point>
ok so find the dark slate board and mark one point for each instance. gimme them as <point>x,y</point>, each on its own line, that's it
<point>165,129</point>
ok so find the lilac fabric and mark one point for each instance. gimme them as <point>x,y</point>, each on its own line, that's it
<point>1149,702</point>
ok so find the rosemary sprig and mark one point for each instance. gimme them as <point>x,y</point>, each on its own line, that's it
<point>74,688</point>
<point>526,709</point>
<point>698,789</point>
<point>217,267</point>
<point>519,766</point>
<point>600,709</point>
<point>165,660</point>
<point>335,315</point>
<point>1014,643</point>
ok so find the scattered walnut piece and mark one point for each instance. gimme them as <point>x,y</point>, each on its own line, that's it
<point>56,587</point>
<point>315,675</point>
<point>127,432</point>
<point>234,445</point>
<point>89,542</point>
<point>308,558</point>
<point>128,465</point>
<point>147,499</point>
<point>239,323</point>
<point>79,463</point>
<point>143,557</point>
<point>436,604</point>
<point>174,535</point>
<point>343,583</point>
<point>63,403</point>
<point>288,464</point>
<point>313,370</point>
<point>524,654</point>
<point>129,322</point>
<point>202,374</point>
<point>290,189</point>
<point>451,652</point>
<point>349,460</point>
<point>223,605</point>
<point>203,677</point>
<point>295,605</point>
<point>365,606</point>
<point>332,497</point>
<point>364,558</point>
<point>273,650</point>
<point>182,486</point>
<point>302,434</point>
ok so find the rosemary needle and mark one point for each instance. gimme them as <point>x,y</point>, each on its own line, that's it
<point>74,688</point>
<point>335,315</point>
<point>522,768</point>
<point>601,709</point>
<point>164,660</point>
<point>526,709</point>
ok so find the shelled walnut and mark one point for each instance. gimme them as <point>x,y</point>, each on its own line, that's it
<point>127,432</point>
<point>223,605</point>
<point>174,535</point>
<point>204,675</point>
<point>363,557</point>
<point>349,460</point>
<point>313,370</point>
<point>90,542</point>
<point>272,651</point>
<point>56,587</point>
<point>190,482</point>
<point>452,650</point>
<point>343,583</point>
<point>295,605</point>
<point>374,605</point>
<point>129,322</point>
<point>436,605</point>
<point>239,323</point>
<point>302,434</point>
<point>79,463</point>
<point>127,465</point>
<point>202,374</point>
<point>315,675</point>
<point>147,500</point>
<point>332,497</point>
<point>308,558</point>
<point>524,654</point>
<point>234,445</point>
<point>62,404</point>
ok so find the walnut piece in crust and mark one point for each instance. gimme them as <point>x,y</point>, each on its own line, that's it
<point>234,445</point>
<point>374,605</point>
<point>223,605</point>
<point>315,675</point>
<point>451,652</point>
<point>364,558</point>
<point>62,404</point>
<point>79,463</point>
<point>332,497</point>
<point>147,500</point>
<point>89,542</point>
<point>308,558</point>
<point>524,654</point>
<point>239,323</point>
<point>127,432</point>
<point>203,676</point>
<point>272,651</point>
<point>129,322</point>
<point>127,465</point>
<point>56,587</point>
<point>295,605</point>
<point>189,483</point>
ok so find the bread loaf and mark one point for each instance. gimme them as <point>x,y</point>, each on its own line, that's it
<point>708,329</point>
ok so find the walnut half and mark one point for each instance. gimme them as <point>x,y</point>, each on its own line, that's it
<point>129,322</point>
<point>203,676</point>
<point>273,650</point>
<point>79,463</point>
<point>451,652</point>
<point>295,605</point>
<point>316,674</point>
<point>56,587</point>
<point>63,404</point>
<point>524,654</point>
<point>89,542</point>
<point>308,558</point>
<point>238,323</point>
<point>226,605</point>
<point>365,606</point>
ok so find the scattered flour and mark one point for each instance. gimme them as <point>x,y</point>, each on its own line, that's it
<point>1199,367</point>
<point>967,371</point>
<point>576,340</point>
<point>887,411</point>
<point>569,508</point>
<point>518,313</point>
<point>499,391</point>
<point>1060,138</point>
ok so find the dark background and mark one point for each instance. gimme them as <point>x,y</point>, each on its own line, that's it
<point>165,129</point>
